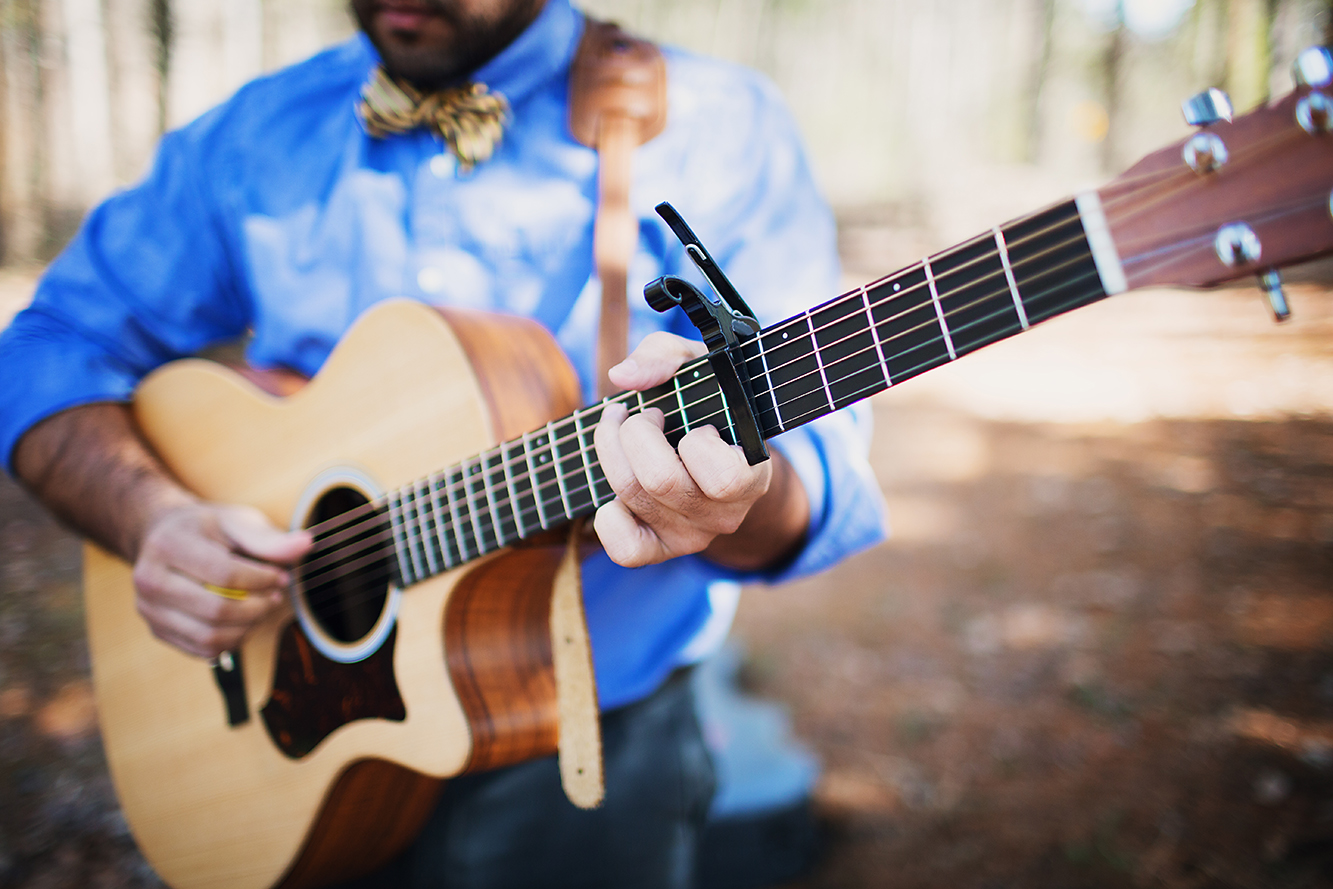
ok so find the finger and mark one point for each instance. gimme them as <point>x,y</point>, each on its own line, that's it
<point>177,592</point>
<point>190,634</point>
<point>654,360</point>
<point>211,561</point>
<point>628,541</point>
<point>252,533</point>
<point>720,470</point>
<point>663,481</point>
<point>610,452</point>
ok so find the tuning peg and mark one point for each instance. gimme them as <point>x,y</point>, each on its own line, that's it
<point>1270,282</point>
<point>1314,113</point>
<point>1313,68</point>
<point>1207,108</point>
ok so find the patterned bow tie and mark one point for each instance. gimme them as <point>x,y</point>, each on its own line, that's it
<point>469,118</point>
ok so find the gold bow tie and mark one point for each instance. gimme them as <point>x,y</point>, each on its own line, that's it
<point>469,118</point>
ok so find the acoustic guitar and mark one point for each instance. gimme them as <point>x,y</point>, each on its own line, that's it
<point>437,447</point>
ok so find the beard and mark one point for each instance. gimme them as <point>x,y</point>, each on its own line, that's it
<point>434,43</point>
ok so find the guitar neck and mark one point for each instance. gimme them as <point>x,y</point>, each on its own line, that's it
<point>831,356</point>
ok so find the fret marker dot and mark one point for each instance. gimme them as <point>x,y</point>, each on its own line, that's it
<point>784,336</point>
<point>897,287</point>
<point>696,375</point>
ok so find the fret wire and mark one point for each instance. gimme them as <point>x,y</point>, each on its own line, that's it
<point>513,494</point>
<point>442,527</point>
<point>1009,276</point>
<point>399,541</point>
<point>457,517</point>
<point>772,390</point>
<point>583,450</point>
<point>412,527</point>
<point>939,309</point>
<point>432,565</point>
<point>532,472</point>
<point>874,333</point>
<point>415,538</point>
<point>819,359</point>
<point>494,511</point>
<point>559,474</point>
<point>684,418</point>
<point>473,513</point>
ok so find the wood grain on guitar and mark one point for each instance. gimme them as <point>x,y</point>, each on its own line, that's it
<point>456,436</point>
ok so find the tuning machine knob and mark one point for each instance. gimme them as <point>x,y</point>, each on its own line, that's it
<point>1237,245</point>
<point>1313,71</point>
<point>1207,108</point>
<point>1313,68</point>
<point>1205,152</point>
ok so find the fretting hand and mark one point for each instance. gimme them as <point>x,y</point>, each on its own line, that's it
<point>701,497</point>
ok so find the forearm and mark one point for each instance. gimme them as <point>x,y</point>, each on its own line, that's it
<point>90,467</point>
<point>774,528</point>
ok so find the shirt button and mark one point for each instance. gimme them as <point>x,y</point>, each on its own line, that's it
<point>443,165</point>
<point>430,280</point>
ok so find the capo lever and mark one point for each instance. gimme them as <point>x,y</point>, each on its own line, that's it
<point>724,326</point>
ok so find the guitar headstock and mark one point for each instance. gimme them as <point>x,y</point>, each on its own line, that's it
<point>1239,197</point>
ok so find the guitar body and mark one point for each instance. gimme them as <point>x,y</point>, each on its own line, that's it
<point>409,389</point>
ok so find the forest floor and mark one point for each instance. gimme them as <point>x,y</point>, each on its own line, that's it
<point>1097,651</point>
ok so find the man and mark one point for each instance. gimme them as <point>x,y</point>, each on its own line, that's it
<point>280,215</point>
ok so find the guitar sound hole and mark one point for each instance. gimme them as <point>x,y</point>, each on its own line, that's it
<point>346,577</point>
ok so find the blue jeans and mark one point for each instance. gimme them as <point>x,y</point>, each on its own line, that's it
<point>513,827</point>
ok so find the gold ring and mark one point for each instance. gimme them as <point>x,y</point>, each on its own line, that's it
<point>228,592</point>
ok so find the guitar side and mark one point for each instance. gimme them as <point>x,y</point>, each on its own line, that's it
<point>409,389</point>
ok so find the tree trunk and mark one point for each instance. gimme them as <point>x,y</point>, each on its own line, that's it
<point>1044,17</point>
<point>20,200</point>
<point>1112,62</point>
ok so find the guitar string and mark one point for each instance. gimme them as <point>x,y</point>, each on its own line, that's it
<point>1188,177</point>
<point>1124,185</point>
<point>541,489</point>
<point>418,530</point>
<point>798,320</point>
<point>1290,209</point>
<point>385,576</point>
<point>957,329</point>
<point>417,539</point>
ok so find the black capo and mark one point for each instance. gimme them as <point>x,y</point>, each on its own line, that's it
<point>725,323</point>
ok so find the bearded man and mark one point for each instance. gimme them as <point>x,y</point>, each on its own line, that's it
<point>285,213</point>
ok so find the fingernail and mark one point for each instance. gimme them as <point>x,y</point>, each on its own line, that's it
<point>629,366</point>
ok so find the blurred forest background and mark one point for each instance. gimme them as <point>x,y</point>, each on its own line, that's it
<point>1097,650</point>
<point>908,106</point>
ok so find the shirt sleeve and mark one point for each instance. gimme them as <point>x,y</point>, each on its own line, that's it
<point>145,280</point>
<point>763,219</point>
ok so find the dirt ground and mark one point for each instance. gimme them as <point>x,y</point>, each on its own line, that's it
<point>1098,651</point>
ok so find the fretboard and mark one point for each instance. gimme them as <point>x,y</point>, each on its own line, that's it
<point>833,355</point>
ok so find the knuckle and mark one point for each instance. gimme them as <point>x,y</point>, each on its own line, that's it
<point>659,481</point>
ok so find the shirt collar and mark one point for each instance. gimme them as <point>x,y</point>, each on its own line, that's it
<point>544,50</point>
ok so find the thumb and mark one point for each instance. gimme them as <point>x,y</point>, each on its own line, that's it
<point>252,533</point>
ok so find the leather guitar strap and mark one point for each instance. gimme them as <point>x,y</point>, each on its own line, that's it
<point>617,101</point>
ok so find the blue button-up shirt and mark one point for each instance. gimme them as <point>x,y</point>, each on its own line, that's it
<point>277,215</point>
